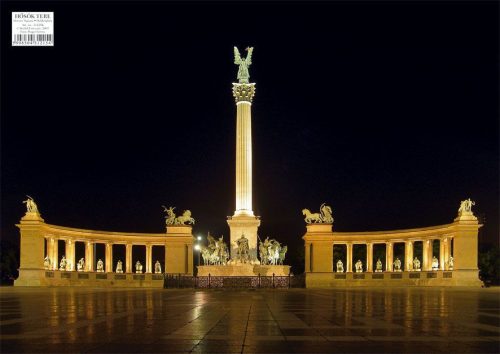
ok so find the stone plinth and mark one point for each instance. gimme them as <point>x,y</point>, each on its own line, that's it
<point>244,225</point>
<point>243,270</point>
<point>179,250</point>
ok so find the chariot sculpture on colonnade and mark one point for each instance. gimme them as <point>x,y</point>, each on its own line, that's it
<point>323,217</point>
<point>173,220</point>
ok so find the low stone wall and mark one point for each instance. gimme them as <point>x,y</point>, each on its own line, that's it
<point>392,279</point>
<point>90,279</point>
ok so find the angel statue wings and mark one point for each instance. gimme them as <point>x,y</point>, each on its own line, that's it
<point>243,74</point>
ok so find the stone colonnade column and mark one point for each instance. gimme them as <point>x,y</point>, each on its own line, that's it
<point>349,257</point>
<point>109,258</point>
<point>128,256</point>
<point>441,254</point>
<point>369,257</point>
<point>388,256</point>
<point>408,255</point>
<point>70,254</point>
<point>426,261</point>
<point>89,256</point>
<point>448,254</point>
<point>148,258</point>
<point>55,249</point>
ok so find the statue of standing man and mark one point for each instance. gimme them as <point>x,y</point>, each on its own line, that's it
<point>243,74</point>
<point>242,251</point>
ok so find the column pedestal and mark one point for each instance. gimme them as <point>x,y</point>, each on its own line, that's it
<point>244,225</point>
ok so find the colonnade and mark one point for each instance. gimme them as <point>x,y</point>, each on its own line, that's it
<point>90,257</point>
<point>458,242</point>
<point>40,241</point>
<point>445,252</point>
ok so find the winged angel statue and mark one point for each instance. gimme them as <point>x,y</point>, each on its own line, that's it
<point>243,74</point>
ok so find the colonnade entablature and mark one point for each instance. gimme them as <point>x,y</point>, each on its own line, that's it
<point>328,251</point>
<point>41,250</point>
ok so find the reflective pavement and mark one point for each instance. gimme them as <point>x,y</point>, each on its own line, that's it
<point>413,320</point>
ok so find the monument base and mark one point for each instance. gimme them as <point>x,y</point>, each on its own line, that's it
<point>243,270</point>
<point>468,278</point>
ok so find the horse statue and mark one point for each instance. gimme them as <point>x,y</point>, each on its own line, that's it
<point>205,254</point>
<point>311,218</point>
<point>184,218</point>
<point>170,217</point>
<point>326,213</point>
<point>273,251</point>
<point>282,254</point>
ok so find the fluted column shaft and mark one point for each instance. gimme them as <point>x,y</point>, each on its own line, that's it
<point>243,159</point>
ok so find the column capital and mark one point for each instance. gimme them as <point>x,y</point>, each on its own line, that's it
<point>243,92</point>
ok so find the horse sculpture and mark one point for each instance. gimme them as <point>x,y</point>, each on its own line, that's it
<point>311,217</point>
<point>282,254</point>
<point>184,218</point>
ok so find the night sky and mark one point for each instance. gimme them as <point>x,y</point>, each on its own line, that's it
<point>388,112</point>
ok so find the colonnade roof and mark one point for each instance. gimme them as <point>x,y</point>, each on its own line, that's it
<point>416,234</point>
<point>57,230</point>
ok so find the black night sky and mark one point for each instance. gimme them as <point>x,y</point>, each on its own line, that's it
<point>386,111</point>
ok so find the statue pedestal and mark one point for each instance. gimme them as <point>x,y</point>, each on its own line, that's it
<point>243,270</point>
<point>243,225</point>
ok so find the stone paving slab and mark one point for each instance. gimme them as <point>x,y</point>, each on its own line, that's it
<point>396,320</point>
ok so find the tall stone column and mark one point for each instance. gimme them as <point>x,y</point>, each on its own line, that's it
<point>54,264</point>
<point>369,257</point>
<point>55,253</point>
<point>441,254</point>
<point>426,260</point>
<point>388,256</point>
<point>243,222</point>
<point>349,257</point>
<point>148,258</point>
<point>70,254</point>
<point>408,255</point>
<point>108,267</point>
<point>89,256</point>
<point>128,256</point>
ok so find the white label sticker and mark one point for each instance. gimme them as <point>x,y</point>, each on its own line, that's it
<point>34,29</point>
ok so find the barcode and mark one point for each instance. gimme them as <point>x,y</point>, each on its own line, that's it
<point>32,38</point>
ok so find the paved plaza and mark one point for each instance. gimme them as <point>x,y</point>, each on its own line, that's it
<point>415,320</point>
